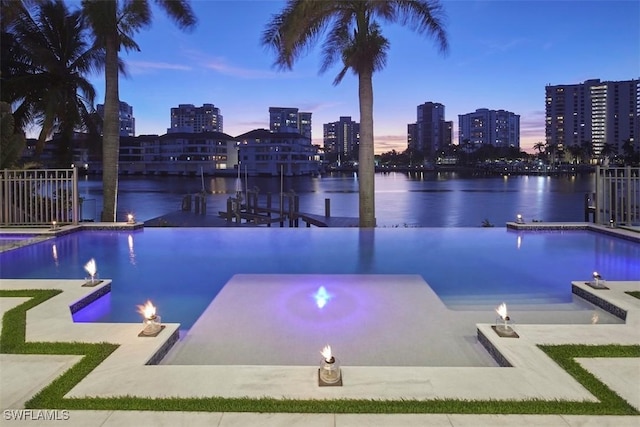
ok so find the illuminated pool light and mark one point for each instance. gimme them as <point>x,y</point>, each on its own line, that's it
<point>322,297</point>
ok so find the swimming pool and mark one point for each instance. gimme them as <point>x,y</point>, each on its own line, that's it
<point>182,269</point>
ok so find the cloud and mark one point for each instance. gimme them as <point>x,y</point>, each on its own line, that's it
<point>502,46</point>
<point>239,127</point>
<point>143,67</point>
<point>255,123</point>
<point>489,48</point>
<point>390,138</point>
<point>532,125</point>
<point>315,107</point>
<point>385,143</point>
<point>531,130</point>
<point>382,144</point>
<point>222,66</point>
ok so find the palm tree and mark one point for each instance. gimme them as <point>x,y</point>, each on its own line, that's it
<point>587,150</point>
<point>551,148</point>
<point>539,146</point>
<point>44,72</point>
<point>11,9</point>
<point>630,153</point>
<point>114,22</point>
<point>607,151</point>
<point>576,152</point>
<point>353,36</point>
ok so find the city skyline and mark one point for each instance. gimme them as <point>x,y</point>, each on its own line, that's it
<point>502,54</point>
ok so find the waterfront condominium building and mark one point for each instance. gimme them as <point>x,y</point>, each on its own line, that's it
<point>594,114</point>
<point>285,119</point>
<point>431,132</point>
<point>179,153</point>
<point>265,152</point>
<point>341,138</point>
<point>499,128</point>
<point>125,115</point>
<point>191,119</point>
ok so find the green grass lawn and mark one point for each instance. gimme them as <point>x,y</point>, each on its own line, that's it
<point>635,294</point>
<point>12,340</point>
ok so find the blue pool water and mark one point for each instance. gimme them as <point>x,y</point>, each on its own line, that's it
<point>182,269</point>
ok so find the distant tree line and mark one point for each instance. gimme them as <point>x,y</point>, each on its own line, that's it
<point>550,154</point>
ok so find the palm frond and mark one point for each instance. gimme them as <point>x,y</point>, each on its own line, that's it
<point>181,13</point>
<point>47,77</point>
<point>422,16</point>
<point>337,41</point>
<point>133,16</point>
<point>294,31</point>
<point>102,18</point>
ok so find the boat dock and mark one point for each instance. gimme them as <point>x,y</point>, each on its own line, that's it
<point>191,219</point>
<point>250,213</point>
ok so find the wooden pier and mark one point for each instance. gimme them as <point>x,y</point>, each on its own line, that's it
<point>250,211</point>
<point>287,212</point>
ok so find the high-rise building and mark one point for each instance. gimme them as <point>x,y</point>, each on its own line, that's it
<point>593,113</point>
<point>341,137</point>
<point>499,128</point>
<point>431,132</point>
<point>125,115</point>
<point>285,119</point>
<point>304,124</point>
<point>188,118</point>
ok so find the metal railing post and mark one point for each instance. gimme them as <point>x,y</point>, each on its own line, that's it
<point>76,197</point>
<point>596,200</point>
<point>5,198</point>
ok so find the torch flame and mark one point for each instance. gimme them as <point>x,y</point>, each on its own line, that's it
<point>91,268</point>
<point>326,353</point>
<point>502,311</point>
<point>148,310</point>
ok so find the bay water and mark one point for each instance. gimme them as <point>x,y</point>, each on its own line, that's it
<point>427,199</point>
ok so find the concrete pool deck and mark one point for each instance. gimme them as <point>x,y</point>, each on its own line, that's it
<point>126,372</point>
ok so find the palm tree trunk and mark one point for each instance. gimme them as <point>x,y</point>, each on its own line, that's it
<point>366,166</point>
<point>111,130</point>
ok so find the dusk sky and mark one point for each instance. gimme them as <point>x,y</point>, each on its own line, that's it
<point>502,54</point>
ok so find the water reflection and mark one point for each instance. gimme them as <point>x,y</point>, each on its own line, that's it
<point>219,186</point>
<point>366,250</point>
<point>427,199</point>
<point>132,254</point>
<point>54,251</point>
